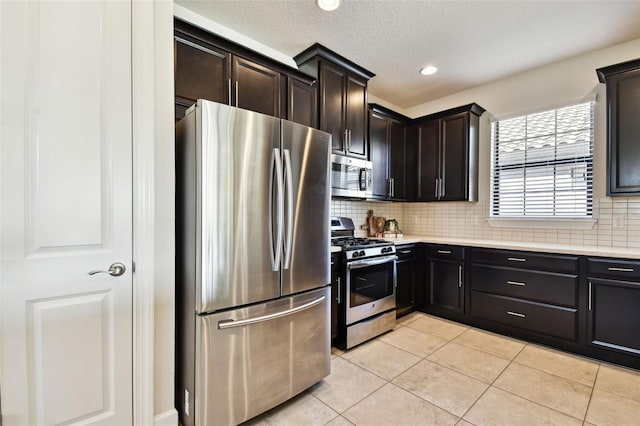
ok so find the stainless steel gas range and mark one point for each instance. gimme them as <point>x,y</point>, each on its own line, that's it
<point>367,285</point>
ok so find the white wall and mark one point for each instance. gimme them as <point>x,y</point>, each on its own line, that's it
<point>561,83</point>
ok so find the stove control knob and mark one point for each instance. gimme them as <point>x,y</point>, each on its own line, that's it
<point>361,253</point>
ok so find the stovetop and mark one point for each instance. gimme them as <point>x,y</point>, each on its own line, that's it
<point>342,235</point>
<point>352,243</point>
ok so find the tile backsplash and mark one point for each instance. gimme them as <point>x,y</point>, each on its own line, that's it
<point>618,222</point>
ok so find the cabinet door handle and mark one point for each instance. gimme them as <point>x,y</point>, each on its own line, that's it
<point>516,314</point>
<point>444,251</point>
<point>459,276</point>
<point>516,259</point>
<point>436,190</point>
<point>338,295</point>
<point>441,187</point>
<point>516,283</point>
<point>589,295</point>
<point>237,98</point>
<point>346,140</point>
<point>620,269</point>
<point>405,251</point>
<point>389,188</point>
<point>229,89</point>
<point>349,139</point>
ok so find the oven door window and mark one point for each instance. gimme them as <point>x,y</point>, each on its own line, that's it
<point>371,283</point>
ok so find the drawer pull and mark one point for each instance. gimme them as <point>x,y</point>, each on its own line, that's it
<point>444,251</point>
<point>516,283</point>
<point>405,251</point>
<point>516,314</point>
<point>516,259</point>
<point>621,269</point>
<point>459,276</point>
<point>589,295</point>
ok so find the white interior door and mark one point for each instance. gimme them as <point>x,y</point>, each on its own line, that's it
<point>66,336</point>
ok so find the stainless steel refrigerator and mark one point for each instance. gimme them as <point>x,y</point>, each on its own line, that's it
<point>252,262</point>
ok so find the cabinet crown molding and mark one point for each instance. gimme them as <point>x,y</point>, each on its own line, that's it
<point>473,108</point>
<point>318,50</point>
<point>605,72</point>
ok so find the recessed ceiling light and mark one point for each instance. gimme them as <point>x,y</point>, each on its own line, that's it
<point>328,5</point>
<point>428,70</point>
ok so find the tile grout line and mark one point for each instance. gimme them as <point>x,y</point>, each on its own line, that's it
<point>491,384</point>
<point>593,388</point>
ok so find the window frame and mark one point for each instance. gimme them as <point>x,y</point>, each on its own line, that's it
<point>571,221</point>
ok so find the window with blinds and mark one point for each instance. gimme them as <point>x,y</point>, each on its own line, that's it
<point>542,164</point>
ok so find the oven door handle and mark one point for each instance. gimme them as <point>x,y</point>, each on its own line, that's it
<point>370,262</point>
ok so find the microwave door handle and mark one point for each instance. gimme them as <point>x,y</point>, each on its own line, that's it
<point>371,262</point>
<point>362,179</point>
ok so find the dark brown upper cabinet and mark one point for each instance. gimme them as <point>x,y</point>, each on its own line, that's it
<point>388,153</point>
<point>623,127</point>
<point>447,155</point>
<point>212,68</point>
<point>342,98</point>
<point>255,87</point>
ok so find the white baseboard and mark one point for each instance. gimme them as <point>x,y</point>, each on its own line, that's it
<point>168,418</point>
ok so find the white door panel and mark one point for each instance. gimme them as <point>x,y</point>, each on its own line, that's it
<point>66,336</point>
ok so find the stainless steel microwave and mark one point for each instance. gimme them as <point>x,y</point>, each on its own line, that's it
<point>350,177</point>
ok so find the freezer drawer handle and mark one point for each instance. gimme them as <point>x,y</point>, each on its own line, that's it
<point>516,314</point>
<point>241,323</point>
<point>516,283</point>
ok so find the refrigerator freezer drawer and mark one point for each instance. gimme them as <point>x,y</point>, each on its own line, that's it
<point>249,360</point>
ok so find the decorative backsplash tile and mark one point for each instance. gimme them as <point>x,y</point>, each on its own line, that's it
<point>469,220</point>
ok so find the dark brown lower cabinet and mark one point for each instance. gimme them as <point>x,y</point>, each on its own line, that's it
<point>533,292</point>
<point>585,305</point>
<point>406,277</point>
<point>335,293</point>
<point>551,320</point>
<point>446,280</point>
<point>614,315</point>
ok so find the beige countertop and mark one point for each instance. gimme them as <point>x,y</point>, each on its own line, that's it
<point>629,253</point>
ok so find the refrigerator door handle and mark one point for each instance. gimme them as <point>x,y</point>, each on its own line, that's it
<point>276,243</point>
<point>288,190</point>
<point>241,323</point>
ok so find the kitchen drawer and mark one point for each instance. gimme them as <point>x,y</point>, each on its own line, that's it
<point>537,317</point>
<point>620,269</point>
<point>406,252</point>
<point>526,260</point>
<point>547,287</point>
<point>445,252</point>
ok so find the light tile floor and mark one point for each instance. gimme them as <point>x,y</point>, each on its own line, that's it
<point>429,371</point>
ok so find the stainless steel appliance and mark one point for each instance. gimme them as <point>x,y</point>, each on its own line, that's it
<point>351,177</point>
<point>253,312</point>
<point>368,300</point>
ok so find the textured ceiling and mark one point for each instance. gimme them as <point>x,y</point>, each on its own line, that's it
<point>471,42</point>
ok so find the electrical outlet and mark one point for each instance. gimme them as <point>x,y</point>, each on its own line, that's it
<point>618,221</point>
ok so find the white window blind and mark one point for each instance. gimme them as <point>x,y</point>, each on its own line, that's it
<point>542,164</point>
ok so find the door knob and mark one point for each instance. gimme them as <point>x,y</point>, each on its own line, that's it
<point>115,270</point>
